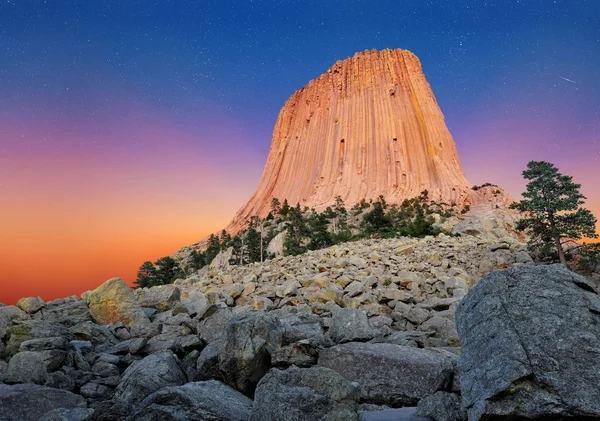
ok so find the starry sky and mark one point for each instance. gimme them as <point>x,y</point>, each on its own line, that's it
<point>130,128</point>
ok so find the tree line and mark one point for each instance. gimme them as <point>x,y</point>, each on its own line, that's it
<point>551,206</point>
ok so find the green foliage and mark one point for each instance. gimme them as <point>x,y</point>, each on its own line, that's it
<point>225,240</point>
<point>589,258</point>
<point>164,271</point>
<point>197,260</point>
<point>377,221</point>
<point>552,208</point>
<point>167,270</point>
<point>485,185</point>
<point>320,237</point>
<point>213,248</point>
<point>145,275</point>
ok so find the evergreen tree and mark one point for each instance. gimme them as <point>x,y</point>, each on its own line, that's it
<point>146,275</point>
<point>225,240</point>
<point>320,236</point>
<point>285,209</point>
<point>552,205</point>
<point>275,206</point>
<point>167,270</point>
<point>197,260</point>
<point>253,240</point>
<point>213,248</point>
<point>376,221</point>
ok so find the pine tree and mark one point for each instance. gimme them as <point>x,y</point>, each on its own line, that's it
<point>145,275</point>
<point>197,260</point>
<point>167,270</point>
<point>552,205</point>
<point>213,248</point>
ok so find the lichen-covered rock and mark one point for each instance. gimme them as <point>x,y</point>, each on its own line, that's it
<point>26,367</point>
<point>530,340</point>
<point>305,394</point>
<point>245,354</point>
<point>210,400</point>
<point>31,304</point>
<point>112,302</point>
<point>74,414</point>
<point>389,374</point>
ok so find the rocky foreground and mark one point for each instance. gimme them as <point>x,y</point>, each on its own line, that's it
<point>373,330</point>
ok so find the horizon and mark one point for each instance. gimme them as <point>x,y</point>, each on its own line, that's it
<point>132,130</point>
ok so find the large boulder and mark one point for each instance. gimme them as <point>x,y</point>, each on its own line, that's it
<point>146,376</point>
<point>113,302</point>
<point>246,349</point>
<point>530,339</point>
<point>26,367</point>
<point>20,332</point>
<point>72,414</point>
<point>29,402</point>
<point>210,400</point>
<point>350,325</point>
<point>305,394</point>
<point>161,298</point>
<point>31,304</point>
<point>389,374</point>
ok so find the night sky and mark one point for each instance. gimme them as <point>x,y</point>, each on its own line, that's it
<point>131,128</point>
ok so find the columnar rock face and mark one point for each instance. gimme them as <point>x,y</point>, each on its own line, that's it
<point>370,126</point>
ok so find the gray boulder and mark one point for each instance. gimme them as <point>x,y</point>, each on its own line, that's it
<point>389,374</point>
<point>350,325</point>
<point>161,298</point>
<point>74,414</point>
<point>209,401</point>
<point>146,376</point>
<point>26,367</point>
<point>20,332</point>
<point>213,326</point>
<point>400,414</point>
<point>442,406</point>
<point>29,402</point>
<point>305,394</point>
<point>530,339</point>
<point>245,353</point>
<point>207,365</point>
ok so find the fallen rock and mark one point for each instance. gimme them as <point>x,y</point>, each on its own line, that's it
<point>350,325</point>
<point>530,339</point>
<point>112,302</point>
<point>210,400</point>
<point>62,414</point>
<point>389,374</point>
<point>147,376</point>
<point>305,394</point>
<point>31,304</point>
<point>161,298</point>
<point>442,406</point>
<point>29,402</point>
<point>245,354</point>
<point>26,367</point>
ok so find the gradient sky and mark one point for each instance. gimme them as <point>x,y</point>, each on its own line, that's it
<point>130,128</point>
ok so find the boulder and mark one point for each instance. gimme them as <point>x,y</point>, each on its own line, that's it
<point>210,400</point>
<point>305,394</point>
<point>350,325</point>
<point>530,339</point>
<point>389,374</point>
<point>20,332</point>
<point>146,376</point>
<point>400,414</point>
<point>112,302</point>
<point>161,298</point>
<point>26,367</point>
<point>74,414</point>
<point>31,304</point>
<point>213,327</point>
<point>245,353</point>
<point>442,406</point>
<point>29,402</point>
<point>207,365</point>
